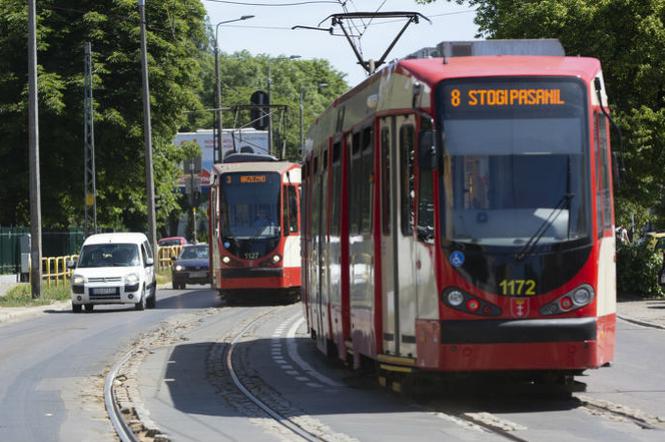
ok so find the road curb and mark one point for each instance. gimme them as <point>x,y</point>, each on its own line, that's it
<point>641,322</point>
<point>17,314</point>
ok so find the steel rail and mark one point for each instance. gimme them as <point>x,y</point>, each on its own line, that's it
<point>119,425</point>
<point>282,420</point>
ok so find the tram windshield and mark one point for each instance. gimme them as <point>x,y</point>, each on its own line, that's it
<point>514,161</point>
<point>250,205</point>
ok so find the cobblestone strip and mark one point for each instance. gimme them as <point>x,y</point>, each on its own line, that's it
<point>125,388</point>
<point>622,413</point>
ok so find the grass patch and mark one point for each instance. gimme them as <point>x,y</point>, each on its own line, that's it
<point>164,276</point>
<point>21,296</point>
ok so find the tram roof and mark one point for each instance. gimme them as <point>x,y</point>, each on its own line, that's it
<point>433,70</point>
<point>279,167</point>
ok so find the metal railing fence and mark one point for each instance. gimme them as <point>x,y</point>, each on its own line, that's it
<point>165,256</point>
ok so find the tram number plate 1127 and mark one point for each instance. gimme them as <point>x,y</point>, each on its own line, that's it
<point>518,287</point>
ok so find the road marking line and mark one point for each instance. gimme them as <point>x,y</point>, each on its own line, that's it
<point>293,354</point>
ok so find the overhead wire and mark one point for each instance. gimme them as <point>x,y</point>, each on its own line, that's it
<point>301,3</point>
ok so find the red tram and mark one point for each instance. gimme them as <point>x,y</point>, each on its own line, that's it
<point>458,217</point>
<point>255,226</point>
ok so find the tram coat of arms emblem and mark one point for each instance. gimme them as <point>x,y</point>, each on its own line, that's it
<point>519,307</point>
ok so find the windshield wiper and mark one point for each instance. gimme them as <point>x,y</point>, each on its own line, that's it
<point>554,214</point>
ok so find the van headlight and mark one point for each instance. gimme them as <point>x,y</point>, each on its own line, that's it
<point>178,268</point>
<point>132,279</point>
<point>78,280</point>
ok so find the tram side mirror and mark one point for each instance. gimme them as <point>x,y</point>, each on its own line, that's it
<point>427,151</point>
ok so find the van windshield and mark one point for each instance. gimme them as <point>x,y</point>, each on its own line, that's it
<point>109,255</point>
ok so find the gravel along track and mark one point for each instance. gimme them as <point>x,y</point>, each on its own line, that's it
<point>258,397</point>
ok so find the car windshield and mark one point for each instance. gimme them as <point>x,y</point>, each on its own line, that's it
<point>514,160</point>
<point>250,205</point>
<point>198,252</point>
<point>109,255</point>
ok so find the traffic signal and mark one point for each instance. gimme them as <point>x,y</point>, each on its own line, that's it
<point>260,110</point>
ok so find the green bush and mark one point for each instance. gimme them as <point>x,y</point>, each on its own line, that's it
<point>21,296</point>
<point>638,269</point>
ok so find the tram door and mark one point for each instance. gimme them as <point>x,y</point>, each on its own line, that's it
<point>321,252</point>
<point>397,235</point>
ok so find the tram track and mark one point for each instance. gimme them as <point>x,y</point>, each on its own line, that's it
<point>622,412</point>
<point>287,423</point>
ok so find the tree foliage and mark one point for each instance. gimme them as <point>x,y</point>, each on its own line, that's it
<point>241,74</point>
<point>176,37</point>
<point>628,36</point>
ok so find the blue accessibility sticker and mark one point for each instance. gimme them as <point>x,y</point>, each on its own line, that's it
<point>456,258</point>
<point>227,245</point>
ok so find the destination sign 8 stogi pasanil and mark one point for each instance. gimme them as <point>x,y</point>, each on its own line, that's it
<point>495,95</point>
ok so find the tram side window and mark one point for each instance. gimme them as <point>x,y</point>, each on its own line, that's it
<point>604,151</point>
<point>290,210</point>
<point>385,180</point>
<point>603,204</point>
<point>366,180</point>
<point>315,199</point>
<point>425,187</point>
<point>303,197</point>
<point>336,189</point>
<point>406,134</point>
<point>355,188</point>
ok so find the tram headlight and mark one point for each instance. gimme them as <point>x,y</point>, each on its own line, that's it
<point>455,298</point>
<point>568,302</point>
<point>226,260</point>
<point>276,259</point>
<point>582,296</point>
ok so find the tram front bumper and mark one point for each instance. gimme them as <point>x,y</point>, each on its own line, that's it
<point>496,345</point>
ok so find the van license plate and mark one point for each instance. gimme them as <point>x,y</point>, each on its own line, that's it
<point>105,291</point>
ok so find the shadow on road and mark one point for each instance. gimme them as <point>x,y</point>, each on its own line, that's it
<point>199,385</point>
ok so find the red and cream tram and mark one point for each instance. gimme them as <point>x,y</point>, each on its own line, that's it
<point>255,226</point>
<point>458,217</point>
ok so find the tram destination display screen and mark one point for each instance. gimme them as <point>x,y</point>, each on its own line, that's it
<point>466,98</point>
<point>515,153</point>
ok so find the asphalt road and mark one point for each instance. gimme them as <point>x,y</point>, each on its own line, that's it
<point>52,372</point>
<point>187,390</point>
<point>52,368</point>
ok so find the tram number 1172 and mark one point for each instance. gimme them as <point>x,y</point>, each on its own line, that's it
<point>518,287</point>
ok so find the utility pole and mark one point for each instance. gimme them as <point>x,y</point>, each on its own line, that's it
<point>193,202</point>
<point>89,180</point>
<point>269,110</point>
<point>147,130</point>
<point>33,140</point>
<point>218,101</point>
<point>302,118</point>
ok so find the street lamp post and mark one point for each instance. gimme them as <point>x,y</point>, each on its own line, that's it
<point>302,117</point>
<point>290,57</point>
<point>218,85</point>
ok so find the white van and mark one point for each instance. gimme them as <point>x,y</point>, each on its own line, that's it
<point>114,268</point>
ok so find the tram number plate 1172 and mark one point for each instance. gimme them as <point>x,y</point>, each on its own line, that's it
<point>518,287</point>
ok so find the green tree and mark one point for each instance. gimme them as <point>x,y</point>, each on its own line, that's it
<point>628,36</point>
<point>176,37</point>
<point>242,73</point>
